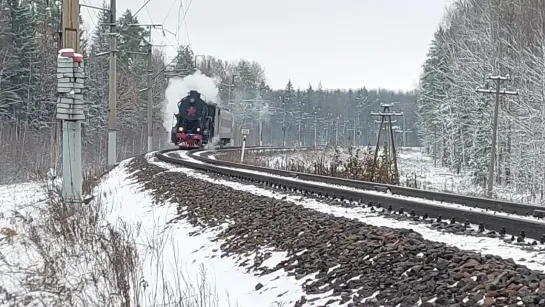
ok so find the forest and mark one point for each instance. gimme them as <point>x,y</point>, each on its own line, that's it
<point>30,135</point>
<point>478,39</point>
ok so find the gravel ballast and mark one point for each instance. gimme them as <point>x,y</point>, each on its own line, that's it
<point>352,259</point>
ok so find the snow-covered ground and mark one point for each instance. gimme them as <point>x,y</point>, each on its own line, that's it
<point>18,255</point>
<point>533,257</point>
<point>414,165</point>
<point>173,261</point>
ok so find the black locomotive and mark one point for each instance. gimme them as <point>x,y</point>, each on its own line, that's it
<point>197,122</point>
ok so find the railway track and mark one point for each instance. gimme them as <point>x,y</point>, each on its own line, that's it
<point>500,216</point>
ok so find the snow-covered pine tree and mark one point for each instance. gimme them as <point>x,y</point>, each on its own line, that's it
<point>8,87</point>
<point>132,66</point>
<point>45,80</point>
<point>132,38</point>
<point>432,91</point>
<point>25,50</point>
<point>96,95</point>
<point>185,61</point>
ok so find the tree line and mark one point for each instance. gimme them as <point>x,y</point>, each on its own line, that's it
<point>244,89</point>
<point>30,135</point>
<point>478,38</point>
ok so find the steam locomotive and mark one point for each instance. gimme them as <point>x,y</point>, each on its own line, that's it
<point>199,123</point>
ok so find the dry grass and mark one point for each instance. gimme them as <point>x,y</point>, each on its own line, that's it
<point>82,259</point>
<point>78,257</point>
<point>357,166</point>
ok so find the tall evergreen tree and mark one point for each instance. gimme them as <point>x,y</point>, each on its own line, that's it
<point>433,87</point>
<point>185,61</point>
<point>97,83</point>
<point>289,95</point>
<point>8,87</point>
<point>132,38</point>
<point>25,49</point>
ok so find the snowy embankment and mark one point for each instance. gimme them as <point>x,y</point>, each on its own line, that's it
<point>55,254</point>
<point>194,235</point>
<point>172,264</point>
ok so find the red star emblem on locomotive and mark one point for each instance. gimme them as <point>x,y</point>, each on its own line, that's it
<point>191,111</point>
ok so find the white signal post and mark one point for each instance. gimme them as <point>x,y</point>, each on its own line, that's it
<point>70,109</point>
<point>245,133</point>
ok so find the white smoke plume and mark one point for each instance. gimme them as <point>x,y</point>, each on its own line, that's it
<point>179,88</point>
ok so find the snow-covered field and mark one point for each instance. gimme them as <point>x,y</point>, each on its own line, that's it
<point>414,165</point>
<point>174,261</point>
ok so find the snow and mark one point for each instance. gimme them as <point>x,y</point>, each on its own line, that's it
<point>534,258</point>
<point>16,203</point>
<point>190,256</point>
<point>64,51</point>
<point>414,164</point>
<point>413,161</point>
<point>174,262</point>
<point>45,260</point>
<point>184,155</point>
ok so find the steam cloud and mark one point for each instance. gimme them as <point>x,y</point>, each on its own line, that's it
<point>179,88</point>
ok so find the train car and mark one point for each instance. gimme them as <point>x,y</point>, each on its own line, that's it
<point>199,123</point>
<point>223,126</point>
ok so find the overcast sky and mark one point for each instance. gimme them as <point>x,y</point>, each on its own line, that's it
<point>342,43</point>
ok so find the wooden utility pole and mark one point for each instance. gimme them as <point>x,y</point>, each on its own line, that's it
<point>70,24</point>
<point>386,113</point>
<point>498,91</point>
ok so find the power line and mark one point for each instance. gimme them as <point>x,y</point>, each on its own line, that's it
<point>151,21</point>
<point>142,7</point>
<point>178,25</point>
<point>185,21</point>
<point>169,11</point>
<point>91,17</point>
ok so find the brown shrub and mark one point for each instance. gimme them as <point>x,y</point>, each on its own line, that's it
<point>358,165</point>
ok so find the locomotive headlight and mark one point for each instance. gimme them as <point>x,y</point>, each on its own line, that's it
<point>192,100</point>
<point>198,129</point>
<point>181,129</point>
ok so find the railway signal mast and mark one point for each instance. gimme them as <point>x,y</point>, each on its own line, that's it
<point>69,107</point>
<point>498,80</point>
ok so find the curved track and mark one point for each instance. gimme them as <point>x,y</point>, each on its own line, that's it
<point>500,216</point>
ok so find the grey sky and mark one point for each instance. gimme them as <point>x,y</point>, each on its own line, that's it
<point>342,43</point>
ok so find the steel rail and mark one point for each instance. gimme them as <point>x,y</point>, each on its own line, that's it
<point>469,201</point>
<point>488,219</point>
